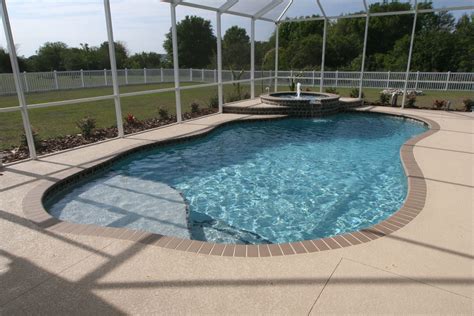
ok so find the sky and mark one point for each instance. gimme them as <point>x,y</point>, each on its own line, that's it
<point>142,24</point>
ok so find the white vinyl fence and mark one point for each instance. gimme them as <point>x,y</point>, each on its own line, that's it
<point>64,80</point>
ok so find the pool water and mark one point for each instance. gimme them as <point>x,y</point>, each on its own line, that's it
<point>303,96</point>
<point>260,182</point>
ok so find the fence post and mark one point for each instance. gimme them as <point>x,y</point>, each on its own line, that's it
<point>105,77</point>
<point>313,77</point>
<point>447,81</point>
<point>82,79</point>
<point>202,75</point>
<point>27,89</point>
<point>126,75</point>
<point>56,83</point>
<point>190,74</point>
<point>416,82</point>
<point>144,75</point>
<point>388,80</point>
<point>337,78</point>
<point>215,75</point>
<point>161,74</point>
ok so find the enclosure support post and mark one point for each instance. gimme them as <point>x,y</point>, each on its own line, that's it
<point>145,79</point>
<point>16,76</point>
<point>388,80</point>
<point>202,75</point>
<point>105,76</point>
<point>277,47</point>
<point>161,74</point>
<point>409,54</point>
<point>323,58</point>
<point>337,77</point>
<point>174,36</point>
<point>220,92</point>
<point>252,58</point>
<point>367,17</point>
<point>190,74</point>
<point>113,67</point>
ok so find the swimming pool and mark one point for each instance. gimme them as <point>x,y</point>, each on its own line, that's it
<point>260,182</point>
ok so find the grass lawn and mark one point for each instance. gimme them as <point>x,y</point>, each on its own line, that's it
<point>61,120</point>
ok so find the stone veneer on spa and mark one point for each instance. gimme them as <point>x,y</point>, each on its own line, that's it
<point>414,203</point>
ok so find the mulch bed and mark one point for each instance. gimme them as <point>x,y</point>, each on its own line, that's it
<point>59,143</point>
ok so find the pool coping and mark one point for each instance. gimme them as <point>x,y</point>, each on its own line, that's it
<point>34,210</point>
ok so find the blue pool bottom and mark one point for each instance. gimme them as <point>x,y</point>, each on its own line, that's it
<point>261,182</point>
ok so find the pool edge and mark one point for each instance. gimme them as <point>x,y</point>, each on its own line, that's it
<point>416,195</point>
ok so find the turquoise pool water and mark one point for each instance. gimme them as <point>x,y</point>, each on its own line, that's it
<point>260,182</point>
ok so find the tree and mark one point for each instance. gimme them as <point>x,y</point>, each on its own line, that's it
<point>463,57</point>
<point>51,56</point>
<point>5,65</point>
<point>236,49</point>
<point>145,60</point>
<point>196,42</point>
<point>121,55</point>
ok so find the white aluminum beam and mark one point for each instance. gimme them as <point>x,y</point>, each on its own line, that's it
<point>363,15</point>
<point>252,58</point>
<point>226,6</point>
<point>17,78</point>
<point>366,33</point>
<point>277,47</point>
<point>284,11</point>
<point>412,40</point>
<point>267,8</point>
<point>220,92</point>
<point>174,35</point>
<point>215,9</point>
<point>323,57</point>
<point>113,67</point>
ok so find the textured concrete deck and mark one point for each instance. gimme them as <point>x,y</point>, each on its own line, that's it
<point>425,267</point>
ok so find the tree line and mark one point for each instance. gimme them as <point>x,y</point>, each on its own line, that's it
<point>441,44</point>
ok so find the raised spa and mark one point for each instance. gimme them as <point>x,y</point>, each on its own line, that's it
<point>260,182</point>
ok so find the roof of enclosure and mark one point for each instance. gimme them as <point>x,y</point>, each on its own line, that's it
<point>297,10</point>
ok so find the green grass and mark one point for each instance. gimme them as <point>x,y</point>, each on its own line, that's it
<point>61,120</point>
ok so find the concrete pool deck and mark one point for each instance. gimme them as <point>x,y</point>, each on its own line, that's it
<point>424,267</point>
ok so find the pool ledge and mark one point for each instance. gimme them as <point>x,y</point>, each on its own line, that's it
<point>417,189</point>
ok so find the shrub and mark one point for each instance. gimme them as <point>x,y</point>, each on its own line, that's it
<point>384,98</point>
<point>439,104</point>
<point>246,96</point>
<point>86,125</point>
<point>194,108</point>
<point>292,85</point>
<point>36,140</point>
<point>214,102</point>
<point>411,100</point>
<point>233,97</point>
<point>163,113</point>
<point>468,104</point>
<point>332,90</point>
<point>131,120</point>
<point>355,93</point>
